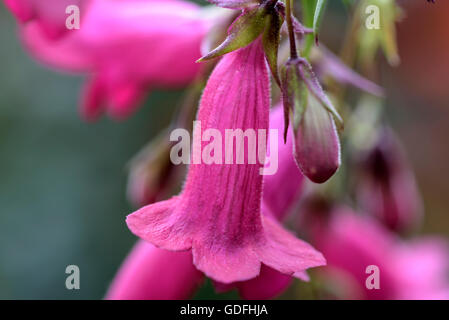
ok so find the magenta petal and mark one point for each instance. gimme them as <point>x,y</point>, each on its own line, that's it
<point>281,189</point>
<point>218,213</point>
<point>20,9</point>
<point>286,253</point>
<point>94,97</point>
<point>149,273</point>
<point>124,100</point>
<point>317,146</point>
<point>270,283</point>
<point>68,53</point>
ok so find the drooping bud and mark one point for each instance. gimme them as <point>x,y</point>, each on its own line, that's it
<point>314,87</point>
<point>317,146</point>
<point>386,187</point>
<point>151,173</point>
<point>294,95</point>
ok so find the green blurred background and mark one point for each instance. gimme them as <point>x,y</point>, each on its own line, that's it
<point>62,181</point>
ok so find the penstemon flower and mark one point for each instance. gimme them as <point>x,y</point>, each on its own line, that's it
<point>226,223</point>
<point>125,48</point>
<point>136,279</point>
<point>228,235</point>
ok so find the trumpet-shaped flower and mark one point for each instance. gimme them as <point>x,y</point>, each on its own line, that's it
<point>218,214</point>
<point>126,48</point>
<point>280,191</point>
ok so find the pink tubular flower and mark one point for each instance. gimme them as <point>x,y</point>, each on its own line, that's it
<point>126,48</point>
<point>280,192</point>
<point>49,15</point>
<point>154,274</point>
<point>407,270</point>
<point>229,237</point>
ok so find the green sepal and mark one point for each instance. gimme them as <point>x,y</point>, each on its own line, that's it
<point>271,39</point>
<point>244,30</point>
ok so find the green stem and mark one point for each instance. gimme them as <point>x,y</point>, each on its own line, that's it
<point>291,32</point>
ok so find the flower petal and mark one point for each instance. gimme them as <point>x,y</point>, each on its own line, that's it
<point>281,189</point>
<point>149,273</point>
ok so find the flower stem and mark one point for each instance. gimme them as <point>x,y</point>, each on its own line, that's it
<point>291,33</point>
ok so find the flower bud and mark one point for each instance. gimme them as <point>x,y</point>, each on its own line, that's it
<point>317,146</point>
<point>386,187</point>
<point>151,173</point>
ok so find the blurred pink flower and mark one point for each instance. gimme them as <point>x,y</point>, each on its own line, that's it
<point>149,273</point>
<point>49,15</point>
<point>407,269</point>
<point>280,190</point>
<point>386,187</point>
<point>229,237</point>
<point>126,48</point>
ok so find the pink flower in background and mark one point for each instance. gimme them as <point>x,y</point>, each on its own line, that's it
<point>386,187</point>
<point>280,190</point>
<point>126,48</point>
<point>49,15</point>
<point>229,237</point>
<point>408,270</point>
<point>149,273</point>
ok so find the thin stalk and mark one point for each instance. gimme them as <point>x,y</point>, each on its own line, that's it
<point>291,32</point>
